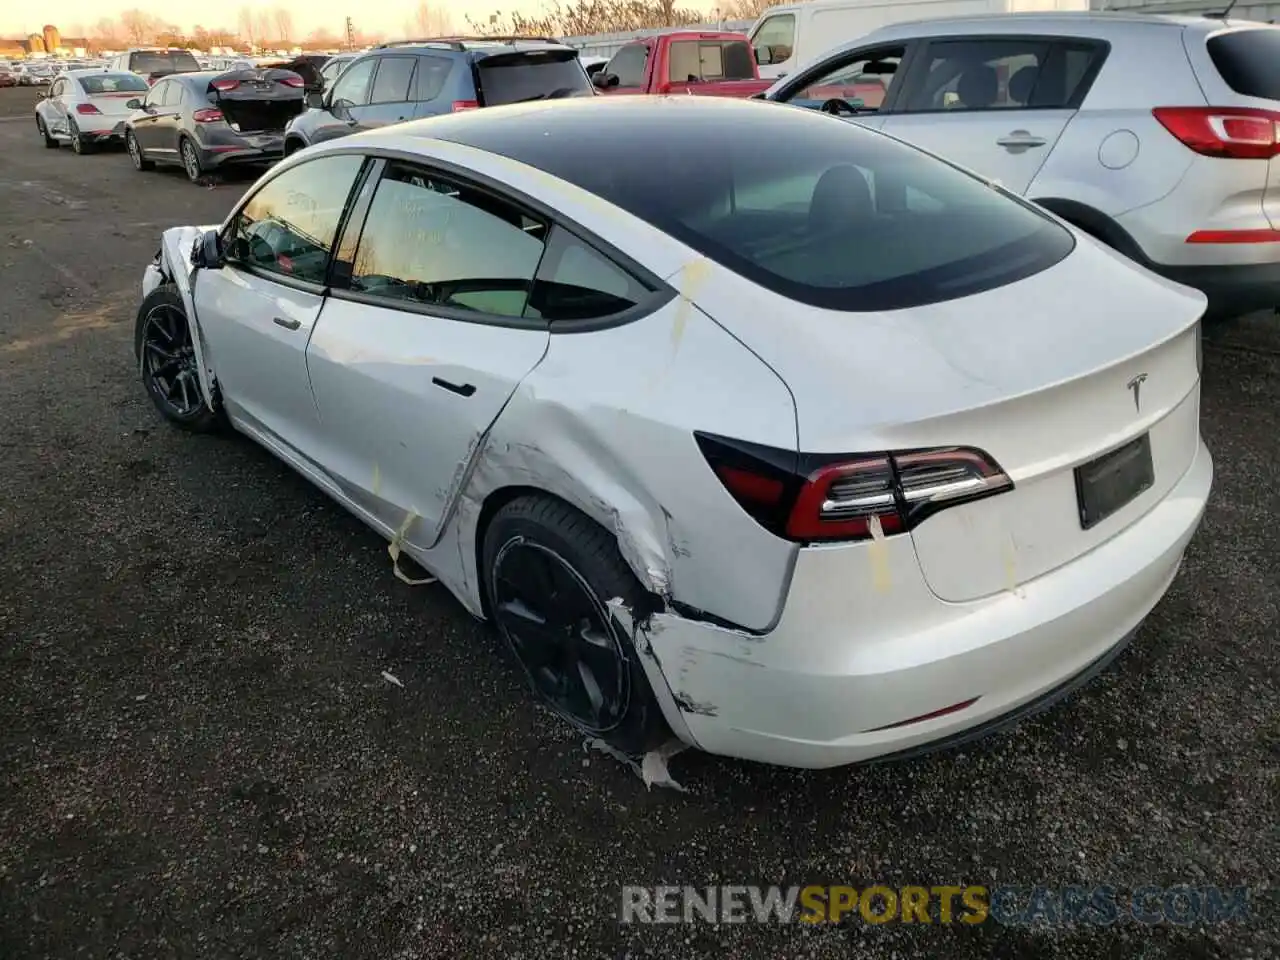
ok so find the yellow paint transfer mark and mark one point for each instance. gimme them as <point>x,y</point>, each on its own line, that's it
<point>397,544</point>
<point>692,277</point>
<point>1009,553</point>
<point>878,556</point>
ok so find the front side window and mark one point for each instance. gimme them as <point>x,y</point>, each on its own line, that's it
<point>431,242</point>
<point>353,85</point>
<point>173,94</point>
<point>775,39</point>
<point>628,65</point>
<point>863,82</point>
<point>391,85</point>
<point>288,227</point>
<point>978,75</point>
<point>156,95</point>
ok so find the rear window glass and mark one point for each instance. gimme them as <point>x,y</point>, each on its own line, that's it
<point>1249,61</point>
<point>844,218</point>
<point>693,61</point>
<point>163,61</point>
<point>113,83</point>
<point>515,79</point>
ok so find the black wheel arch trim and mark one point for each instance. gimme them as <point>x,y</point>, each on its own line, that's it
<point>1095,223</point>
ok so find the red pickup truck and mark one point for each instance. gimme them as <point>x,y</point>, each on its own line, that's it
<point>712,64</point>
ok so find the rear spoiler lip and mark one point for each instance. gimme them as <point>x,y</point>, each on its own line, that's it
<point>554,54</point>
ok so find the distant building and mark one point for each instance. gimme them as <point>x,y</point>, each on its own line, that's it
<point>52,39</point>
<point>35,43</point>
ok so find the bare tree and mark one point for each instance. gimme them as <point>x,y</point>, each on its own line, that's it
<point>430,21</point>
<point>247,29</point>
<point>746,9</point>
<point>284,25</point>
<point>582,17</point>
<point>262,25</point>
<point>139,26</point>
<point>106,34</point>
<point>323,39</point>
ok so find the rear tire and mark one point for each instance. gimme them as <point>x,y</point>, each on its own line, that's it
<point>549,572</point>
<point>190,160</point>
<point>162,342</point>
<point>140,161</point>
<point>49,142</point>
<point>78,144</point>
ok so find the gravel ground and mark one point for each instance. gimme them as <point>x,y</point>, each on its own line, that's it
<point>199,755</point>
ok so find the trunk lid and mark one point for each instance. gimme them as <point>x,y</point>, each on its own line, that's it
<point>113,104</point>
<point>258,100</point>
<point>543,73</point>
<point>1039,374</point>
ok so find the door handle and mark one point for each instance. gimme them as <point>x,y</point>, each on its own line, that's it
<point>287,324</point>
<point>462,390</point>
<point>1020,139</point>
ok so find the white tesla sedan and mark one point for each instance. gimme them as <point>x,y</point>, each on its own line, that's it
<point>811,456</point>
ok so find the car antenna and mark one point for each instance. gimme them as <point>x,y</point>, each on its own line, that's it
<point>1224,14</point>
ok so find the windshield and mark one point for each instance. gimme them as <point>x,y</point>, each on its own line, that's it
<point>113,83</point>
<point>163,61</point>
<point>515,78</point>
<point>843,218</point>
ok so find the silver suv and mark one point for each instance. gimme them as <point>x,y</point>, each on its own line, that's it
<point>1158,135</point>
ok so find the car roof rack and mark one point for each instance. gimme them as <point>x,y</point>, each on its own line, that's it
<point>460,42</point>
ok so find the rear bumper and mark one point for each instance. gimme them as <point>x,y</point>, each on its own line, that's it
<point>1232,289</point>
<point>222,148</point>
<point>823,690</point>
<point>105,131</point>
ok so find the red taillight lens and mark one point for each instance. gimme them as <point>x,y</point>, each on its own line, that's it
<point>87,108</point>
<point>225,84</point>
<point>465,105</point>
<point>1239,133</point>
<point>207,115</point>
<point>815,499</point>
<point>293,80</point>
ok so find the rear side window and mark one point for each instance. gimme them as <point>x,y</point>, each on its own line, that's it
<point>1249,61</point>
<point>391,85</point>
<point>430,78</point>
<point>692,61</point>
<point>520,77</point>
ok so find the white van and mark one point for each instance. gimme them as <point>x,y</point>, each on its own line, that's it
<point>793,34</point>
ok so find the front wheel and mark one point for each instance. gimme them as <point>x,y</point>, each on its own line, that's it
<point>167,361</point>
<point>140,161</point>
<point>549,573</point>
<point>49,142</point>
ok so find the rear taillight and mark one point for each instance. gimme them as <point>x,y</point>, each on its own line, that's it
<point>207,115</point>
<point>856,497</point>
<point>1238,133</point>
<point>87,108</point>
<point>465,105</point>
<point>223,85</point>
<point>292,81</point>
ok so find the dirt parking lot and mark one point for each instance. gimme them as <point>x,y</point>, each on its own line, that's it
<point>200,757</point>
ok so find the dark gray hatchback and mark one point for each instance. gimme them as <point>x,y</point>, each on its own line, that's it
<point>207,121</point>
<point>423,78</point>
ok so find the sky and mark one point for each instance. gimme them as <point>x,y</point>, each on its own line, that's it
<point>386,16</point>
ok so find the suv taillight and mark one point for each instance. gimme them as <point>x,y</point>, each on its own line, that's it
<point>823,498</point>
<point>465,105</point>
<point>1238,133</point>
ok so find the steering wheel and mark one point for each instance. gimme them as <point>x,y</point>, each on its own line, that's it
<point>836,107</point>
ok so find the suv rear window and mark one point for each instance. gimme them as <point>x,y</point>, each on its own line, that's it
<point>163,61</point>
<point>522,76</point>
<point>1249,61</point>
<point>844,218</point>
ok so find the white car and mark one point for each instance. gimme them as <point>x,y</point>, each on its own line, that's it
<point>810,456</point>
<point>88,108</point>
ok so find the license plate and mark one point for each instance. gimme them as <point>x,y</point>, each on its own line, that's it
<point>1114,479</point>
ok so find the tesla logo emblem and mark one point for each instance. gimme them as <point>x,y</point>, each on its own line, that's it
<point>1135,385</point>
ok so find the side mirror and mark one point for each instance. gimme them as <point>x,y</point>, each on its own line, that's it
<point>134,104</point>
<point>762,56</point>
<point>605,80</point>
<point>206,253</point>
<point>315,100</point>
<point>342,110</point>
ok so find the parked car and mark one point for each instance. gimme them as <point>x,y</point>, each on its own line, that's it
<point>421,78</point>
<point>207,121</point>
<point>333,67</point>
<point>713,64</point>
<point>154,63</point>
<point>593,65</point>
<point>1155,134</point>
<point>7,77</point>
<point>789,36</point>
<point>719,437</point>
<point>87,108</point>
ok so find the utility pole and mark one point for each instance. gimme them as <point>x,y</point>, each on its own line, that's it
<point>351,35</point>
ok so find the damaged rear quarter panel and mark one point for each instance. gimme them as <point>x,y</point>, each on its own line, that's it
<point>606,422</point>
